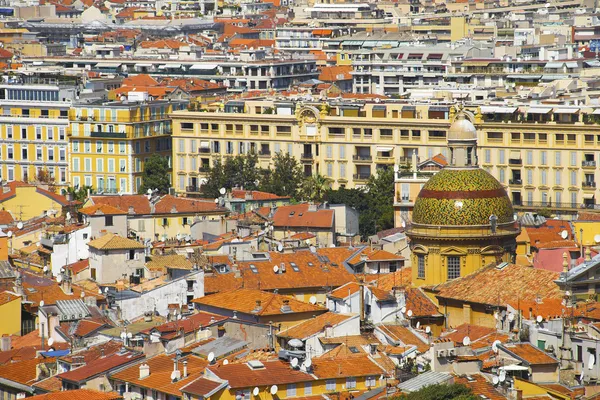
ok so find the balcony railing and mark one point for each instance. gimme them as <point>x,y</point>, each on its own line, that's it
<point>554,205</point>
<point>116,135</point>
<point>361,177</point>
<point>588,184</point>
<point>204,168</point>
<point>264,153</point>
<point>306,156</point>
<point>515,161</point>
<point>586,163</point>
<point>203,150</point>
<point>358,157</point>
<point>515,182</point>
<point>192,189</point>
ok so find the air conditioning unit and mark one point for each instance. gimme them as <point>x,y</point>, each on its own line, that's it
<point>451,352</point>
<point>441,353</point>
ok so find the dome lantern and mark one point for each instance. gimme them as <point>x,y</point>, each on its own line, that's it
<point>462,141</point>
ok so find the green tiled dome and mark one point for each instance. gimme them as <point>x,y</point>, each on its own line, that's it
<point>462,197</point>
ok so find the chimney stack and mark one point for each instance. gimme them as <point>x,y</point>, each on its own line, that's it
<point>185,369</point>
<point>144,371</point>
<point>565,263</point>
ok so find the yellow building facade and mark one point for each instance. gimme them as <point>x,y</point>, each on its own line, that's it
<point>10,309</point>
<point>109,142</point>
<point>542,160</point>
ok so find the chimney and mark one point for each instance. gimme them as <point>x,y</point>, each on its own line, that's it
<point>258,307</point>
<point>234,314</point>
<point>185,369</point>
<point>285,308</point>
<point>565,263</point>
<point>6,343</point>
<point>173,209</point>
<point>144,371</point>
<point>588,254</point>
<point>131,210</point>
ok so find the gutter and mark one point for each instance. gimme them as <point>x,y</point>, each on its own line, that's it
<point>16,385</point>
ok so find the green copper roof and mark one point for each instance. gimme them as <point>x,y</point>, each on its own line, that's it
<point>455,197</point>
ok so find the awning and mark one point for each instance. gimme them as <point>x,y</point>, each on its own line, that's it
<point>370,43</point>
<point>203,66</point>
<point>439,108</point>
<point>572,64</point>
<point>379,108</point>
<point>108,65</point>
<point>174,66</point>
<point>162,67</point>
<point>554,64</point>
<point>523,77</point>
<point>143,65</point>
<point>593,63</point>
<point>539,110</point>
<point>384,148</point>
<point>322,32</point>
<point>553,77</point>
<point>409,108</point>
<point>596,111</point>
<point>205,145</point>
<point>566,110</point>
<point>476,63</point>
<point>488,110</point>
<point>514,367</point>
<point>588,195</point>
<point>352,42</point>
<point>506,110</point>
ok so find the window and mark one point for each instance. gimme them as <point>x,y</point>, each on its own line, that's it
<point>111,147</point>
<point>573,158</point>
<point>530,177</point>
<point>108,220</point>
<point>122,147</point>
<point>76,146</point>
<point>529,157</point>
<point>350,382</point>
<point>502,173</point>
<point>50,132</point>
<point>453,267</point>
<point>9,132</point>
<point>98,147</point>
<point>421,266</point>
<point>87,146</point>
<point>62,154</point>
<point>330,385</point>
<point>131,255</point>
<point>291,390</point>
<point>342,151</point>
<point>61,132</point>
<point>557,177</point>
<point>342,170</point>
<point>23,133</point>
<point>38,153</point>
<point>573,178</point>
<point>23,154</point>
<point>122,165</point>
<point>557,158</point>
<point>501,155</point>
<point>111,165</point>
<point>544,177</point>
<point>329,169</point>
<point>99,165</point>
<point>165,222</point>
<point>543,158</point>
<point>76,164</point>
<point>329,151</point>
<point>38,133</point>
<point>370,381</point>
<point>50,154</point>
<point>307,388</point>
<point>488,156</point>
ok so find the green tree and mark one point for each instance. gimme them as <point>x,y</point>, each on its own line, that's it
<point>242,171</point>
<point>79,194</point>
<point>315,187</point>
<point>440,392</point>
<point>285,178</point>
<point>156,175</point>
<point>215,180</point>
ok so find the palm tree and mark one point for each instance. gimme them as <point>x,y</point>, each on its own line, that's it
<point>316,186</point>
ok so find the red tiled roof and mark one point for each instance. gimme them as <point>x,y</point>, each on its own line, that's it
<point>345,291</point>
<point>190,324</point>
<point>529,354</point>
<point>139,202</point>
<point>325,367</point>
<point>273,373</point>
<point>404,335</point>
<point>78,394</point>
<point>6,218</point>
<point>12,187</point>
<point>335,73</point>
<point>297,216</point>
<point>314,325</point>
<point>78,266</point>
<point>201,387</point>
<point>256,195</point>
<point>23,372</point>
<point>474,332</point>
<point>480,386</point>
<point>186,205</point>
<point>101,366</point>
<point>102,209</point>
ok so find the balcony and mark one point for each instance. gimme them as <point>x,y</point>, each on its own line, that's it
<point>515,182</point>
<point>588,164</point>
<point>306,156</point>
<point>362,159</point>
<point>515,161</point>
<point>264,153</point>
<point>588,184</point>
<point>204,168</point>
<point>204,150</point>
<point>113,135</point>
<point>534,205</point>
<point>361,177</point>
<point>192,189</point>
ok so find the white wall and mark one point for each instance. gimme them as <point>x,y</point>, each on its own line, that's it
<point>74,250</point>
<point>347,306</point>
<point>112,266</point>
<point>383,311</point>
<point>173,292</point>
<point>349,327</point>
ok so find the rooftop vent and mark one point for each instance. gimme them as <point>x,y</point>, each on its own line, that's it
<point>255,364</point>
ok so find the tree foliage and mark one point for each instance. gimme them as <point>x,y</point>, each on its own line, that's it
<point>156,175</point>
<point>315,187</point>
<point>285,178</point>
<point>440,392</point>
<point>45,178</point>
<point>238,171</point>
<point>79,194</point>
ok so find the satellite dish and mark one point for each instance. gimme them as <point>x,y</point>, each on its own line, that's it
<point>59,278</point>
<point>255,391</point>
<point>275,268</point>
<point>173,375</point>
<point>45,268</point>
<point>495,345</point>
<point>313,249</point>
<point>403,310</point>
<point>418,324</point>
<point>129,335</point>
<point>99,291</point>
<point>123,335</point>
<point>307,363</point>
<point>403,223</point>
<point>427,329</point>
<point>495,380</point>
<point>596,238</point>
<point>564,234</point>
<point>409,313</point>
<point>496,316</point>
<point>502,376</point>
<point>225,362</point>
<point>466,341</point>
<point>312,300</point>
<point>274,390</point>
<point>19,225</point>
<point>105,290</point>
<point>592,361</point>
<point>222,190</point>
<point>82,295</point>
<point>280,247</point>
<point>296,343</point>
<point>62,269</point>
<point>294,362</point>
<point>50,341</point>
<point>9,233</point>
<point>211,357</point>
<point>511,317</point>
<point>396,168</point>
<point>68,215</point>
<point>568,294</point>
<point>539,319</point>
<point>216,201</point>
<point>42,303</point>
<point>149,191</point>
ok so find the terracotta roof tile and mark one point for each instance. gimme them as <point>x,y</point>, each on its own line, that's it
<point>175,261</point>
<point>326,367</point>
<point>139,202</point>
<point>7,297</point>
<point>94,353</point>
<point>168,204</point>
<point>52,384</point>
<point>491,285</point>
<point>100,366</point>
<point>345,291</point>
<point>78,266</point>
<point>42,288</point>
<point>273,373</point>
<point>245,301</point>
<point>6,218</point>
<point>23,372</point>
<point>474,332</point>
<point>529,354</point>
<point>161,367</point>
<point>297,216</point>
<point>78,394</point>
<point>111,241</point>
<point>335,73</point>
<point>480,386</point>
<point>256,195</point>
<point>420,304</point>
<point>201,387</point>
<point>374,255</point>
<point>314,325</point>
<point>102,209</point>
<point>402,334</point>
<point>189,324</point>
